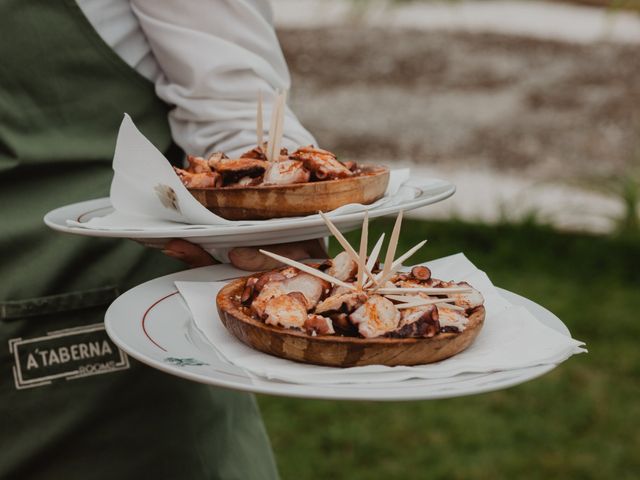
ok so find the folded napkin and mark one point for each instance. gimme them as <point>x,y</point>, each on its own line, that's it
<point>146,193</point>
<point>512,338</point>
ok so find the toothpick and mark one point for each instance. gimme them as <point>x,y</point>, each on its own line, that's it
<point>404,298</point>
<point>277,141</point>
<point>307,269</point>
<point>373,256</point>
<point>418,301</point>
<point>398,263</point>
<point>364,238</point>
<point>452,307</point>
<point>339,237</point>
<point>259,120</point>
<point>427,290</point>
<point>345,244</point>
<point>424,302</point>
<point>272,127</point>
<point>393,244</point>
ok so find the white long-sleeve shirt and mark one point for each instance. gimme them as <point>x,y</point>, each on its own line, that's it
<point>207,58</point>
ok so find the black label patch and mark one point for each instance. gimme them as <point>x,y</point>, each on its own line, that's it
<point>65,355</point>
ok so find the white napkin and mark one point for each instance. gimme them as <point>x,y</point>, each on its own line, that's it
<point>146,193</point>
<point>511,338</point>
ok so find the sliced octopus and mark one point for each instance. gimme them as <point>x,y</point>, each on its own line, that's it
<point>286,172</point>
<point>288,311</point>
<point>377,316</point>
<point>311,288</point>
<point>418,322</point>
<point>323,164</point>
<point>343,267</point>
<point>298,300</point>
<point>198,180</point>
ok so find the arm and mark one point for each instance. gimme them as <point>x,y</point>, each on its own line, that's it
<point>215,57</point>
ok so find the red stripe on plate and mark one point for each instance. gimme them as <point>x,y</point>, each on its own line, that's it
<point>144,319</point>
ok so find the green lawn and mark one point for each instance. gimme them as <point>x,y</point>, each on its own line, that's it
<point>582,420</point>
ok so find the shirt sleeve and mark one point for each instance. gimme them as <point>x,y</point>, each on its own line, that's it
<point>215,57</point>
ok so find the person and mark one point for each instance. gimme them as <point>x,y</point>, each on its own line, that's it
<point>73,405</point>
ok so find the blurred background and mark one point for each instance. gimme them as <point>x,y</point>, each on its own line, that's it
<point>533,110</point>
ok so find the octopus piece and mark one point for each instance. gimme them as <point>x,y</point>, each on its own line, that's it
<point>418,322</point>
<point>343,267</point>
<point>198,180</point>
<point>321,163</point>
<point>411,315</point>
<point>377,316</point>
<point>248,291</point>
<point>318,325</point>
<point>272,284</point>
<point>216,159</point>
<point>288,311</point>
<point>408,283</point>
<point>286,172</point>
<point>343,325</point>
<point>400,277</point>
<point>256,152</point>
<point>266,278</point>
<point>351,165</point>
<point>451,318</point>
<point>267,292</point>
<point>313,288</point>
<point>420,272</point>
<point>345,303</point>
<point>234,170</point>
<point>197,165</point>
<point>470,300</point>
<point>298,296</point>
<point>449,329</point>
<point>325,265</point>
<point>289,272</point>
<point>247,182</point>
<point>338,290</point>
<point>404,280</point>
<point>259,153</point>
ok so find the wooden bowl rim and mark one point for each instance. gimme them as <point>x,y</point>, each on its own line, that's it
<point>225,302</point>
<point>374,171</point>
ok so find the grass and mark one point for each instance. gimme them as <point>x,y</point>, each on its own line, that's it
<point>581,420</point>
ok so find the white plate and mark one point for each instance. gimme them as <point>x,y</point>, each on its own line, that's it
<point>426,192</point>
<point>152,324</point>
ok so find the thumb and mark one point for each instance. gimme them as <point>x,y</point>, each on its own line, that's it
<point>191,254</point>
<point>249,258</point>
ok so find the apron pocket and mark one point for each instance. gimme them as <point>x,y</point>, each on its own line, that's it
<point>52,304</point>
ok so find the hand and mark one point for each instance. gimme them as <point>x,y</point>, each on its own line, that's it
<point>245,258</point>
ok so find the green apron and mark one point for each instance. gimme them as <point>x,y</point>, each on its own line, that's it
<point>71,404</point>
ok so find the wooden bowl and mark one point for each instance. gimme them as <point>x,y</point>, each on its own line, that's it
<point>336,351</point>
<point>299,199</point>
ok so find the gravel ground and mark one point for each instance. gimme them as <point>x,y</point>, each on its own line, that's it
<point>540,109</point>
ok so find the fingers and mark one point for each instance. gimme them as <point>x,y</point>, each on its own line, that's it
<point>193,255</point>
<point>245,258</point>
<point>249,258</point>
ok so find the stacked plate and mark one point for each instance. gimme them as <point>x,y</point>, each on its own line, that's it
<point>152,323</point>
<point>74,219</point>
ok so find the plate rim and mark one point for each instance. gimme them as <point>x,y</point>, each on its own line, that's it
<point>449,189</point>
